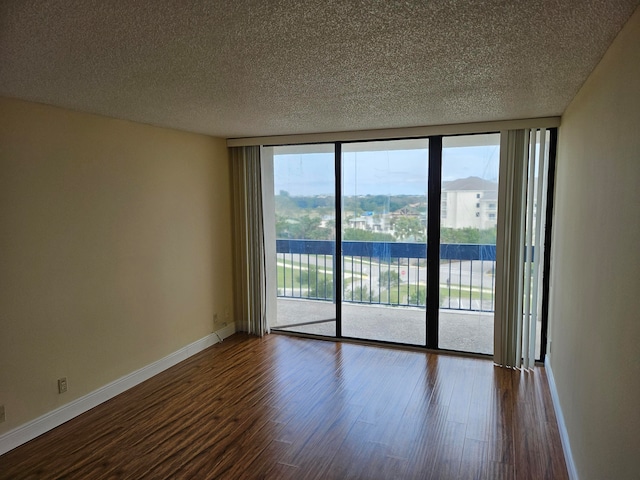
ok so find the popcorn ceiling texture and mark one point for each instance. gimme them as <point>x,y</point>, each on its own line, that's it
<point>234,68</point>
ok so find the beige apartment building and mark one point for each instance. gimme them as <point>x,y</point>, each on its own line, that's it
<point>469,202</point>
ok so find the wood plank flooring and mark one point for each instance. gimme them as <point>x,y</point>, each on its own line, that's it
<point>284,407</point>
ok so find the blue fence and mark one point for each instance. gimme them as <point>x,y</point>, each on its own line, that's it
<point>386,250</point>
<point>387,273</point>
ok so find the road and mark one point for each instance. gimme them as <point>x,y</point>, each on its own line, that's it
<point>468,284</point>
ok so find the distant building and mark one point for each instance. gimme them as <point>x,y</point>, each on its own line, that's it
<point>469,202</point>
<point>370,222</point>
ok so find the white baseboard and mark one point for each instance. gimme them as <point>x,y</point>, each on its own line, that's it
<point>562,427</point>
<point>50,420</point>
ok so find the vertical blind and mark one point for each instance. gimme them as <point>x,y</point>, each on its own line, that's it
<point>520,247</point>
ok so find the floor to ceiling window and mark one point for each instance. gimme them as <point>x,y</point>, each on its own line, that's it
<point>384,225</point>
<point>304,191</point>
<point>468,221</point>
<point>391,241</point>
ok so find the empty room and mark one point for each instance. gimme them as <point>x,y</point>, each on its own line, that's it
<point>340,239</point>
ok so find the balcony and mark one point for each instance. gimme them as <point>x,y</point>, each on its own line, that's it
<point>384,291</point>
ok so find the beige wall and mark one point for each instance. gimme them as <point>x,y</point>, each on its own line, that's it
<point>595,309</point>
<point>115,250</point>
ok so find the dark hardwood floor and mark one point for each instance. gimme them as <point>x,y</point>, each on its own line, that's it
<point>286,407</point>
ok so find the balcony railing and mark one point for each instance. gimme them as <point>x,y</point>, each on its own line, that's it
<point>387,273</point>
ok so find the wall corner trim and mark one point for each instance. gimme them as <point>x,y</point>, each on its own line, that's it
<point>30,430</point>
<point>562,427</point>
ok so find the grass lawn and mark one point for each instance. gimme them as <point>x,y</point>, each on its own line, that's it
<point>304,278</point>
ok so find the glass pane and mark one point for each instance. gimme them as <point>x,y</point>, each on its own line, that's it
<point>468,220</point>
<point>304,188</point>
<point>384,215</point>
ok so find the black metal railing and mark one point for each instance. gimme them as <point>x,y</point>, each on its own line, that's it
<point>387,273</point>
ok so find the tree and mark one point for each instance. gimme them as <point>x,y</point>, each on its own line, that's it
<point>356,234</point>
<point>389,278</point>
<point>418,296</point>
<point>409,227</point>
<point>308,228</point>
<point>318,284</point>
<point>282,227</point>
<point>468,235</point>
<point>361,294</point>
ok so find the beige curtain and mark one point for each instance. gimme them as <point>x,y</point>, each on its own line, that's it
<point>249,252</point>
<point>520,246</point>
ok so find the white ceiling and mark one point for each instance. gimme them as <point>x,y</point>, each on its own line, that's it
<point>238,68</point>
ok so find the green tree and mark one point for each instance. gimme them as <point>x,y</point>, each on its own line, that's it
<point>361,294</point>
<point>355,234</point>
<point>389,279</point>
<point>409,227</point>
<point>308,228</point>
<point>418,296</point>
<point>282,227</point>
<point>318,284</point>
<point>468,235</point>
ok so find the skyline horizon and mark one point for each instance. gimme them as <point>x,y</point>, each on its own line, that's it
<point>280,192</point>
<point>400,172</point>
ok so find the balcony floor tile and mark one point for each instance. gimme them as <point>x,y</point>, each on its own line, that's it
<point>459,330</point>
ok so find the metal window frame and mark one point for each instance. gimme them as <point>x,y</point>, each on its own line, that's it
<point>434,190</point>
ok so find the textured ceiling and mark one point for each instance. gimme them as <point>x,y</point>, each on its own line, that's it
<point>235,68</point>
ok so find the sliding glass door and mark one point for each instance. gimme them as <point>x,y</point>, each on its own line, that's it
<point>468,221</point>
<point>395,240</point>
<point>383,254</point>
<point>304,203</point>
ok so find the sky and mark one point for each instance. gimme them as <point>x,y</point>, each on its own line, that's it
<point>380,172</point>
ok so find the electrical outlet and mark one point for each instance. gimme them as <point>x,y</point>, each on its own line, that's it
<point>62,385</point>
<point>2,415</point>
